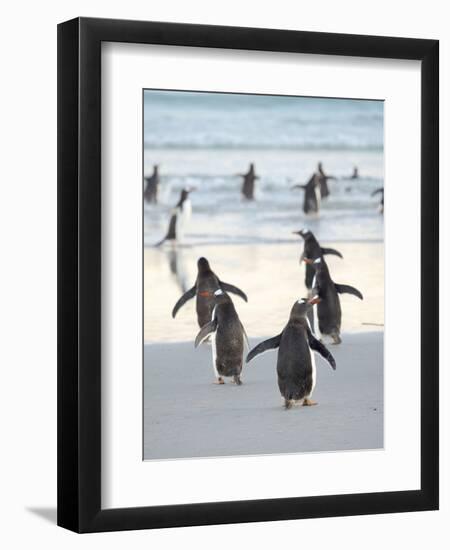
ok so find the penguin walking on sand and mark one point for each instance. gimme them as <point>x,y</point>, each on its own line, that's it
<point>329,314</point>
<point>381,205</point>
<point>248,185</point>
<point>205,285</point>
<point>227,339</point>
<point>312,249</point>
<point>311,201</point>
<point>323,181</point>
<point>179,217</point>
<point>152,186</point>
<point>296,367</point>
<point>355,174</point>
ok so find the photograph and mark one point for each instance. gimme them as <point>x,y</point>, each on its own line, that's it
<point>263,261</point>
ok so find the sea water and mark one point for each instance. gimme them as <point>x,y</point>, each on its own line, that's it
<point>205,140</point>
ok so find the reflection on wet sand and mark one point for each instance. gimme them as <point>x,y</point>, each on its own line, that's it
<point>175,258</point>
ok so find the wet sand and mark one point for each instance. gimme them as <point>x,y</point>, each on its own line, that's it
<point>186,415</point>
<point>271,277</point>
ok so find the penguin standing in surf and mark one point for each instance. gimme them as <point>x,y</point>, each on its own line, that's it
<point>312,249</point>
<point>227,335</point>
<point>381,205</point>
<point>179,218</point>
<point>311,201</point>
<point>248,185</point>
<point>152,186</point>
<point>323,181</point>
<point>296,367</point>
<point>329,314</point>
<point>206,284</point>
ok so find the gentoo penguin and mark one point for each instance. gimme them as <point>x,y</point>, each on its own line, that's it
<point>323,181</point>
<point>179,217</point>
<point>248,185</point>
<point>228,336</point>
<point>206,284</point>
<point>329,313</point>
<point>355,174</point>
<point>381,205</point>
<point>312,249</point>
<point>311,201</point>
<point>296,367</point>
<point>152,186</point>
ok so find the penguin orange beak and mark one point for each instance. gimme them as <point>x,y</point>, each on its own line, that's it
<point>308,261</point>
<point>314,300</point>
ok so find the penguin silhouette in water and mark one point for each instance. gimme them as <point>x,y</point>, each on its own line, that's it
<point>179,217</point>
<point>311,201</point>
<point>312,249</point>
<point>381,205</point>
<point>329,314</point>
<point>323,181</point>
<point>296,367</point>
<point>206,284</point>
<point>227,335</point>
<point>152,186</point>
<point>355,174</point>
<point>248,185</point>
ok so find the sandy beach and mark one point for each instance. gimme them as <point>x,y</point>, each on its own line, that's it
<point>187,416</point>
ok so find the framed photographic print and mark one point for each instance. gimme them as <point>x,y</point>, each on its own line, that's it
<point>248,275</point>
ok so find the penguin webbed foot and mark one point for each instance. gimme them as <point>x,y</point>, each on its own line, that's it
<point>219,381</point>
<point>309,402</point>
<point>237,380</point>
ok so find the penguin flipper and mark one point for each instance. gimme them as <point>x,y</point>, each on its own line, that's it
<point>186,296</point>
<point>234,290</point>
<point>332,251</point>
<point>316,345</point>
<point>271,343</point>
<point>299,186</point>
<point>205,331</point>
<point>347,289</point>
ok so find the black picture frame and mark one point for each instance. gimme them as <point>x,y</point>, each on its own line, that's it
<point>79,274</point>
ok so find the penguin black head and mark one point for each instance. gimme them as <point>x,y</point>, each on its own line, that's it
<point>305,233</point>
<point>203,265</point>
<point>302,306</point>
<point>316,263</point>
<point>221,297</point>
<point>185,194</point>
<point>155,168</point>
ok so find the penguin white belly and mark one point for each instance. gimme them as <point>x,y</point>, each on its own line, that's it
<point>214,353</point>
<point>183,217</point>
<point>186,211</point>
<point>313,361</point>
<point>318,197</point>
<point>313,373</point>
<point>213,346</point>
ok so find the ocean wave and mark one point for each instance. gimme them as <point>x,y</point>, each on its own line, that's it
<point>325,146</point>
